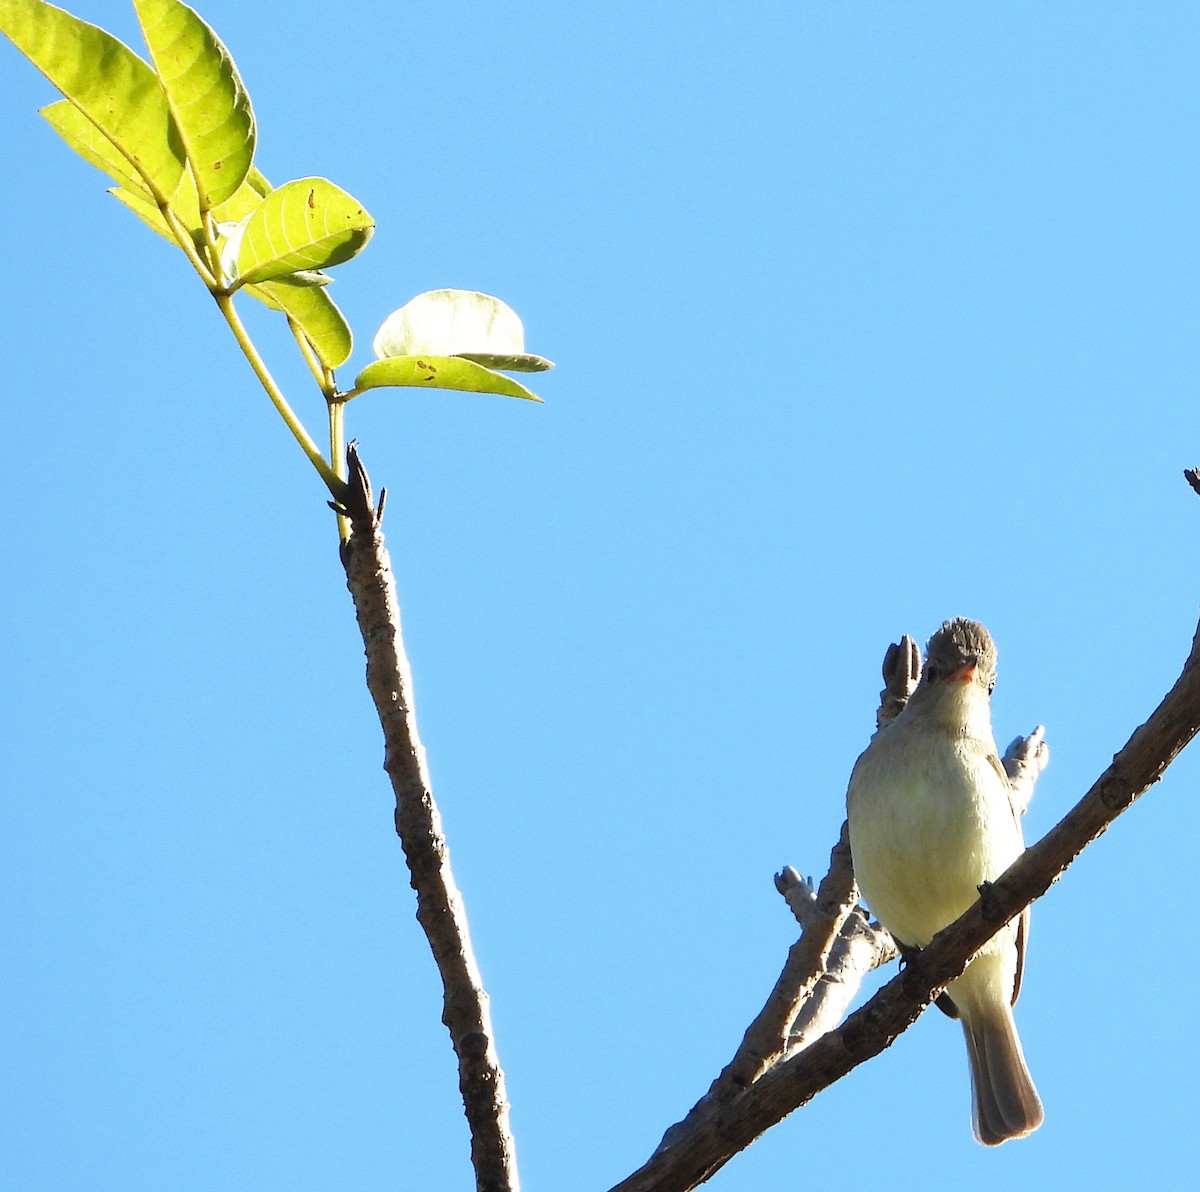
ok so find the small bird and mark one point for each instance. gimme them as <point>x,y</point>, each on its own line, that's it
<point>931,819</point>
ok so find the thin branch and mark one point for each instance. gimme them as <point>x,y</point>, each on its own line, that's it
<point>837,947</point>
<point>440,909</point>
<point>861,947</point>
<point>726,1129</point>
<point>901,670</point>
<point>1023,762</point>
<point>808,960</point>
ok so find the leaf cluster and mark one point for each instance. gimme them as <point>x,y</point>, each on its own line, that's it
<point>177,136</point>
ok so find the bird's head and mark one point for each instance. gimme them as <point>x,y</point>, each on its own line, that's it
<point>961,652</point>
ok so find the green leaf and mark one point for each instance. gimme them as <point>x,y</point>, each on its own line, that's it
<point>258,182</point>
<point>308,277</point>
<point>306,224</point>
<point>96,149</point>
<point>438,372</point>
<point>105,80</point>
<point>524,362</point>
<point>463,323</point>
<point>301,296</point>
<point>91,144</point>
<point>314,312</point>
<point>145,208</point>
<point>185,203</point>
<point>205,94</point>
<point>240,204</point>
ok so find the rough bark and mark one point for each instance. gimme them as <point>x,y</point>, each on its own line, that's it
<point>440,909</point>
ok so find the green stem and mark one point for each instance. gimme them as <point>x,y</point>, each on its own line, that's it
<point>333,481</point>
<point>337,453</point>
<point>210,239</point>
<point>337,437</point>
<point>337,434</point>
<point>184,239</point>
<point>318,370</point>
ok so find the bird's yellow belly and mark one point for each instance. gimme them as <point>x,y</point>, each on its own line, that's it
<point>922,849</point>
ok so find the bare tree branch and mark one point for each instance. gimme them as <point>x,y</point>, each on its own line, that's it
<point>1023,761</point>
<point>808,962</point>
<point>901,670</point>
<point>861,947</point>
<point>837,948</point>
<point>440,909</point>
<point>721,1130</point>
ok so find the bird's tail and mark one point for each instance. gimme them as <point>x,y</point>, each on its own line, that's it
<point>1006,1103</point>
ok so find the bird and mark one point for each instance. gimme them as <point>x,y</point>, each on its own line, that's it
<point>931,818</point>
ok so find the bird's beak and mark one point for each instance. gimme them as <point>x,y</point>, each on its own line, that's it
<point>965,673</point>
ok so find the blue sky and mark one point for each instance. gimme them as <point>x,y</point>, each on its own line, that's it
<point>864,316</point>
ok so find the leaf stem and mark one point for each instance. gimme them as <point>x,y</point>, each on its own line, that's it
<point>210,239</point>
<point>333,481</point>
<point>337,453</point>
<point>322,375</point>
<point>337,433</point>
<point>184,239</point>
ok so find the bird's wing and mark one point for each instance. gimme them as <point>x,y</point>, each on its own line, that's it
<point>1022,936</point>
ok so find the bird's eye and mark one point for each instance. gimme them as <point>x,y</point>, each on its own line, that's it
<point>931,673</point>
<point>991,686</point>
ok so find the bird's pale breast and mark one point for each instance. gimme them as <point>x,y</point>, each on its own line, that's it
<point>927,827</point>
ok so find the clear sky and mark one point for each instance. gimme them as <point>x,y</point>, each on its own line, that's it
<point>865,316</point>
